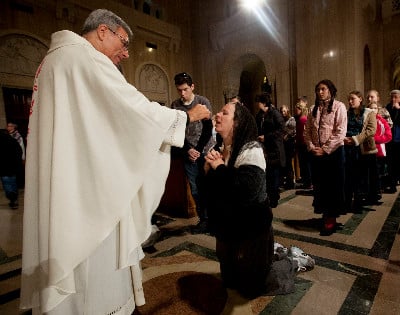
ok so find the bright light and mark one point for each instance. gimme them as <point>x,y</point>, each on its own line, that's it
<point>264,14</point>
<point>251,4</point>
<point>329,54</point>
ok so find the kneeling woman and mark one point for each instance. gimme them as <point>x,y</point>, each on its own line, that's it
<point>238,208</point>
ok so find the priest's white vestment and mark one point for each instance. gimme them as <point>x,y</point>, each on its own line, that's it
<point>97,162</point>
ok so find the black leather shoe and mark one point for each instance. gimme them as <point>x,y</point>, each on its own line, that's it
<point>390,190</point>
<point>13,205</point>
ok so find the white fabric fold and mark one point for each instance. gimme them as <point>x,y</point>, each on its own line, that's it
<point>93,161</point>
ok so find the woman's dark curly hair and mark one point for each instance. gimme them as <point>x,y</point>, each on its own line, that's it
<point>332,89</point>
<point>244,130</point>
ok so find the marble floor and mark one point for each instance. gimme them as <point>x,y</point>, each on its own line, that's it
<point>357,269</point>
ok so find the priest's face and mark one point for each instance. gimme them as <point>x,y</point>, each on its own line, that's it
<point>116,47</point>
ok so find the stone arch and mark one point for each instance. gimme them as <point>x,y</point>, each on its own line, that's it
<point>20,56</point>
<point>152,81</point>
<point>243,74</point>
<point>396,70</point>
<point>21,53</point>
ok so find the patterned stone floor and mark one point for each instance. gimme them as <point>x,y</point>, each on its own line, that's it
<point>357,269</point>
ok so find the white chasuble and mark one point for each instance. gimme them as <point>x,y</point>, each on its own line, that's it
<point>97,162</point>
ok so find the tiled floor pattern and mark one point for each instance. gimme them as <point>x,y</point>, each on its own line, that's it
<point>357,269</point>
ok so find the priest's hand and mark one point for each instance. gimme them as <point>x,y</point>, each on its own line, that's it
<point>199,112</point>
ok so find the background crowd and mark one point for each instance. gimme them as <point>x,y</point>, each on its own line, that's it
<point>344,155</point>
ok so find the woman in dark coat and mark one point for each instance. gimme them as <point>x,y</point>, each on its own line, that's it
<point>239,214</point>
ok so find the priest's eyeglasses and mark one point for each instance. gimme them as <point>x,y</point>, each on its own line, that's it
<point>124,41</point>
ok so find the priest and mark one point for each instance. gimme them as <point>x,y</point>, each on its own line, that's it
<point>97,162</point>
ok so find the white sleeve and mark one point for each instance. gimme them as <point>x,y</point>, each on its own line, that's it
<point>251,156</point>
<point>175,135</point>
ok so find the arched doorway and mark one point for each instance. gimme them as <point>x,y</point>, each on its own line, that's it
<point>20,56</point>
<point>396,70</point>
<point>246,78</point>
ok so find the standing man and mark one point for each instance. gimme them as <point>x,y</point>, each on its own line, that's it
<point>10,160</point>
<point>197,136</point>
<point>13,132</point>
<point>393,147</point>
<point>97,162</point>
<point>273,128</point>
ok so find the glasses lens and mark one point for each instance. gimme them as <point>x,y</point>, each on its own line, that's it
<point>124,41</point>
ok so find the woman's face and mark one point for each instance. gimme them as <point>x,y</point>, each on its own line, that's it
<point>323,92</point>
<point>284,111</point>
<point>374,107</point>
<point>224,121</point>
<point>354,101</point>
<point>372,97</point>
<point>261,105</point>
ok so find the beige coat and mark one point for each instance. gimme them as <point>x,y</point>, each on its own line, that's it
<point>365,139</point>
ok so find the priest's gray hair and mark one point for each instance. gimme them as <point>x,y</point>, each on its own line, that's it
<point>103,16</point>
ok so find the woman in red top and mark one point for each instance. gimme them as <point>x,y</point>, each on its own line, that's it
<point>301,112</point>
<point>383,135</point>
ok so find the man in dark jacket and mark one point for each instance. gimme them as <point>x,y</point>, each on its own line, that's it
<point>393,147</point>
<point>10,160</point>
<point>272,136</point>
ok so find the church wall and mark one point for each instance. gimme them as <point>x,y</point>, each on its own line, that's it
<point>371,32</point>
<point>390,49</point>
<point>228,41</point>
<point>326,48</point>
<point>215,41</point>
<point>207,62</point>
<point>42,18</point>
<point>345,28</point>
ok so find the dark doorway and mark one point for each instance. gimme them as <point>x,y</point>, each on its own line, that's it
<point>252,75</point>
<point>367,69</point>
<point>246,89</point>
<point>17,105</point>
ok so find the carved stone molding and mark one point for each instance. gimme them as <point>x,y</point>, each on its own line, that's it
<point>20,54</point>
<point>152,81</point>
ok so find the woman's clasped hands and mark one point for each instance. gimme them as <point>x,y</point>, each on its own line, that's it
<point>213,159</point>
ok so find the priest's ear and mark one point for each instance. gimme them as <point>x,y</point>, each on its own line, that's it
<point>102,31</point>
